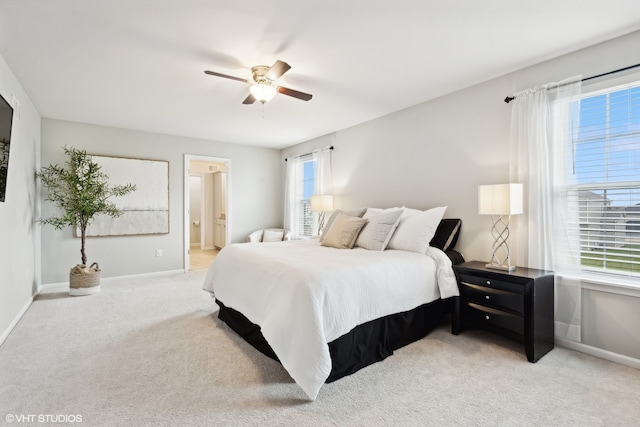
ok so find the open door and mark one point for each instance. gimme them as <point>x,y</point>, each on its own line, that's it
<point>207,209</point>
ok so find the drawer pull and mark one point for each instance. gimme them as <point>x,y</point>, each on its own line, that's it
<point>486,296</point>
<point>488,282</point>
<point>486,317</point>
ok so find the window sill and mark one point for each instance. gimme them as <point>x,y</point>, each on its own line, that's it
<point>609,283</point>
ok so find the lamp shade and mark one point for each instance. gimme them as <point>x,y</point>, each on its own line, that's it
<point>321,203</point>
<point>500,199</point>
<point>263,92</point>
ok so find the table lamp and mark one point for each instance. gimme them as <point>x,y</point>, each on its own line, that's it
<point>321,203</point>
<point>500,201</point>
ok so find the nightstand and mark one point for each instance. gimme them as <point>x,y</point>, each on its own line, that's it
<point>517,304</point>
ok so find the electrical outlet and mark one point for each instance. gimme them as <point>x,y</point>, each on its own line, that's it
<point>158,252</point>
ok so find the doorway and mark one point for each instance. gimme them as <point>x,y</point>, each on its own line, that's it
<point>206,209</point>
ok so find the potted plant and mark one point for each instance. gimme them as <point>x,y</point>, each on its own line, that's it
<point>81,191</point>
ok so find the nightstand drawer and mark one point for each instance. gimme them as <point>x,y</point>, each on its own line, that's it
<point>487,282</point>
<point>482,315</point>
<point>493,297</point>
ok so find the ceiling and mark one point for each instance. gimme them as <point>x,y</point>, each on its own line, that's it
<point>139,64</point>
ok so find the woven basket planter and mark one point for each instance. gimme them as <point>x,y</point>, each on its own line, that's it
<point>84,280</point>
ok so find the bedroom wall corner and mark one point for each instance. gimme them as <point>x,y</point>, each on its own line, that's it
<point>19,254</point>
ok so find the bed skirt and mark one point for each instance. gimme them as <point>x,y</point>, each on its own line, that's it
<point>364,345</point>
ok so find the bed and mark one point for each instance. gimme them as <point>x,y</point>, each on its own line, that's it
<point>325,312</point>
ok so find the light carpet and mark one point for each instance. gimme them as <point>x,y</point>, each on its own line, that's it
<point>151,352</point>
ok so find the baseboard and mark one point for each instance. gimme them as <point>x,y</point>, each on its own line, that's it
<point>110,279</point>
<point>598,352</point>
<point>13,324</point>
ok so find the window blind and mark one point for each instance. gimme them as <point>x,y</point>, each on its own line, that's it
<point>305,216</point>
<point>606,165</point>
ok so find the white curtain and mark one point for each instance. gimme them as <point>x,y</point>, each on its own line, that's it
<point>293,188</point>
<point>547,234</point>
<point>324,177</point>
<point>294,191</point>
<point>323,181</point>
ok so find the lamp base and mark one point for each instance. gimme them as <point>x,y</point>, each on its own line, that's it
<point>501,267</point>
<point>500,257</point>
<point>320,223</point>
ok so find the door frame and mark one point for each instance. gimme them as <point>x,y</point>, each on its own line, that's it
<point>185,211</point>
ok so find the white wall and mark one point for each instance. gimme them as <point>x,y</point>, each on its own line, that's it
<point>19,234</point>
<point>437,153</point>
<point>433,154</point>
<point>256,197</point>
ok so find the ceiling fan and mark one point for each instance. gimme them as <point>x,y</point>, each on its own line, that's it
<point>262,88</point>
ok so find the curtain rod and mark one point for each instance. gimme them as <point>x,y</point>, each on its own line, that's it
<point>508,99</point>
<point>307,154</point>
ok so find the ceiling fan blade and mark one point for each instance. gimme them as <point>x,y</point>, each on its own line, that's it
<point>249,99</point>
<point>294,93</point>
<point>213,73</point>
<point>278,69</point>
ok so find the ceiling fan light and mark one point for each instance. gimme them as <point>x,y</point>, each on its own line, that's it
<point>262,92</point>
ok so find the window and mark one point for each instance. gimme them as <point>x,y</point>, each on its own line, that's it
<point>299,188</point>
<point>606,168</point>
<point>305,216</point>
<point>306,175</point>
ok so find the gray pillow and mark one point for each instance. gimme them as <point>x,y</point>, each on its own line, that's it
<point>375,235</point>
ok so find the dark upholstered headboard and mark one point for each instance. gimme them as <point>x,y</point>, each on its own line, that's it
<point>446,237</point>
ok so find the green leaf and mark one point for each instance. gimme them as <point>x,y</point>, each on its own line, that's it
<point>80,190</point>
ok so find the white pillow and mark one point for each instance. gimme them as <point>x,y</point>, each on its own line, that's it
<point>343,232</point>
<point>375,235</point>
<point>272,235</point>
<point>416,229</point>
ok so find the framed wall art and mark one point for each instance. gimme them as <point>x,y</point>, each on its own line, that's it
<point>146,210</point>
<point>6,120</point>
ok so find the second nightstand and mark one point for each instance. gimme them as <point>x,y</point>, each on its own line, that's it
<point>517,304</point>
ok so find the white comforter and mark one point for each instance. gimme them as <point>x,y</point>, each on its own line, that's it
<point>303,295</point>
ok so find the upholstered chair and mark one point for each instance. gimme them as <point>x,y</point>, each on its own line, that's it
<point>269,235</point>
